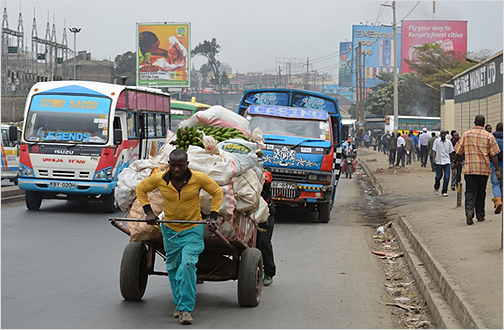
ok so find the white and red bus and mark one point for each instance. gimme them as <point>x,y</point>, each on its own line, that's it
<point>79,135</point>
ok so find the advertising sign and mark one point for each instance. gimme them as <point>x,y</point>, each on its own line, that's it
<point>480,82</point>
<point>376,51</point>
<point>450,35</point>
<point>345,64</point>
<point>163,54</point>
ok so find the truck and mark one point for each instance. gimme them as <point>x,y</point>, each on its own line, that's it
<point>10,152</point>
<point>302,134</point>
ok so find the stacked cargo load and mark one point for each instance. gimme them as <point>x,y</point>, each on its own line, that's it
<point>218,143</point>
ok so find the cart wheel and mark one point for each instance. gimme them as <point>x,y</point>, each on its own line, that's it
<point>109,202</point>
<point>133,276</point>
<point>324,212</point>
<point>250,278</point>
<point>33,199</point>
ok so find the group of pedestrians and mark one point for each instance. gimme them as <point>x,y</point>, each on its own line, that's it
<point>477,154</point>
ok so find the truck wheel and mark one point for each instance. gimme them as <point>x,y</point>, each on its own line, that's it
<point>324,210</point>
<point>109,202</point>
<point>33,199</point>
<point>250,278</point>
<point>133,275</point>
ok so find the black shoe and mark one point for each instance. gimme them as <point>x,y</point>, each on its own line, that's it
<point>469,219</point>
<point>481,220</point>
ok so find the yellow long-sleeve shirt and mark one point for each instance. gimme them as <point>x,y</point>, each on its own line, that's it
<point>183,205</point>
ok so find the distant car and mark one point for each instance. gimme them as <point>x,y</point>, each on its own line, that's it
<point>10,152</point>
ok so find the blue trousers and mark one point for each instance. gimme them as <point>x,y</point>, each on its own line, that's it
<point>496,184</point>
<point>182,253</point>
<point>440,170</point>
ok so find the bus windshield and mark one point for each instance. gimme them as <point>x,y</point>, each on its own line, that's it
<point>292,127</point>
<point>68,119</point>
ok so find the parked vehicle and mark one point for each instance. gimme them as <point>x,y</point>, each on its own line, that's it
<point>79,135</point>
<point>10,152</point>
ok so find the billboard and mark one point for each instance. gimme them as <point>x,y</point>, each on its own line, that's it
<point>377,45</point>
<point>345,64</point>
<point>450,35</point>
<point>163,54</point>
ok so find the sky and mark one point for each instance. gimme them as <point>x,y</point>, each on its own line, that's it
<point>252,34</point>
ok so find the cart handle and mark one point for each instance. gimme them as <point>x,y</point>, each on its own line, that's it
<point>160,221</point>
<point>216,232</point>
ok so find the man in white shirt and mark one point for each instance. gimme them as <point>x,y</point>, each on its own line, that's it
<point>442,152</point>
<point>423,141</point>
<point>401,149</point>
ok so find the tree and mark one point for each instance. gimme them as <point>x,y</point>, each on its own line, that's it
<point>210,50</point>
<point>436,66</point>
<point>480,55</point>
<point>415,98</point>
<point>125,65</point>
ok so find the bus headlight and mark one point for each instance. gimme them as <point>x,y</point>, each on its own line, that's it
<point>105,174</point>
<point>25,171</point>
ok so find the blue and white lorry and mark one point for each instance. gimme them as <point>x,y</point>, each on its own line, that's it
<point>302,133</point>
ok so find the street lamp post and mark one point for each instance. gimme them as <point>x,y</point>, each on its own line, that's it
<point>74,31</point>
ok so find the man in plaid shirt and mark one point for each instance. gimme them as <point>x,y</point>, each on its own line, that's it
<point>477,144</point>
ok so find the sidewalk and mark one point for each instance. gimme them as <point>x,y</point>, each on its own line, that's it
<point>464,261</point>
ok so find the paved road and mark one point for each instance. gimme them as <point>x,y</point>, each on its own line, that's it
<point>60,269</point>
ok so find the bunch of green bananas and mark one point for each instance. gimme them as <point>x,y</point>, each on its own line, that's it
<point>193,135</point>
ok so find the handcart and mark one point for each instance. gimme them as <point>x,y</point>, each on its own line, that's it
<point>224,258</point>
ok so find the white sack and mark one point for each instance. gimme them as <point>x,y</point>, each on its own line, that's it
<point>218,116</point>
<point>242,152</point>
<point>247,191</point>
<point>218,167</point>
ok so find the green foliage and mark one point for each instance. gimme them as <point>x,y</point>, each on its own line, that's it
<point>125,65</point>
<point>415,98</point>
<point>210,50</point>
<point>436,66</point>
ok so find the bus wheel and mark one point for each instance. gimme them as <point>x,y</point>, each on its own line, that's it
<point>109,202</point>
<point>33,199</point>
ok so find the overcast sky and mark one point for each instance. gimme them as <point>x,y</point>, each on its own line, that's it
<point>252,34</point>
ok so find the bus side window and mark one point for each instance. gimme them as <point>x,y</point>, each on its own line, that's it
<point>132,125</point>
<point>159,125</point>
<point>151,125</point>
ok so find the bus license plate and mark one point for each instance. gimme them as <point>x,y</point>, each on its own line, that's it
<point>62,185</point>
<point>283,185</point>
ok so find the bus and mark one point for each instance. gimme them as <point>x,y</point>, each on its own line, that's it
<point>11,135</point>
<point>413,123</point>
<point>302,134</point>
<point>181,110</point>
<point>79,135</point>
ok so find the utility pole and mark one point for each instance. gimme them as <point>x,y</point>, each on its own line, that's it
<point>279,76</point>
<point>396,93</point>
<point>307,73</point>
<point>357,83</point>
<point>363,84</point>
<point>396,96</point>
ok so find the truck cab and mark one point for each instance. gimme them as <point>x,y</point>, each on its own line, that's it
<point>300,155</point>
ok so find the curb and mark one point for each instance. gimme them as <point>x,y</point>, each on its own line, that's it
<point>12,194</point>
<point>448,309</point>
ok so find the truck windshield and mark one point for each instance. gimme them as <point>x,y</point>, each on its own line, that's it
<point>292,127</point>
<point>68,119</point>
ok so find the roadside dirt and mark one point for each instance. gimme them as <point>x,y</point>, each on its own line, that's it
<point>407,306</point>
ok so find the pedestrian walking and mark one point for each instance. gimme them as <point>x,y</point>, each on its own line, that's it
<point>416,153</point>
<point>374,142</point>
<point>183,242</point>
<point>497,184</point>
<point>392,148</point>
<point>367,140</point>
<point>264,236</point>
<point>442,151</point>
<point>384,142</point>
<point>455,175</point>
<point>410,147</point>
<point>430,143</point>
<point>423,145</point>
<point>488,128</point>
<point>477,145</point>
<point>401,150</point>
